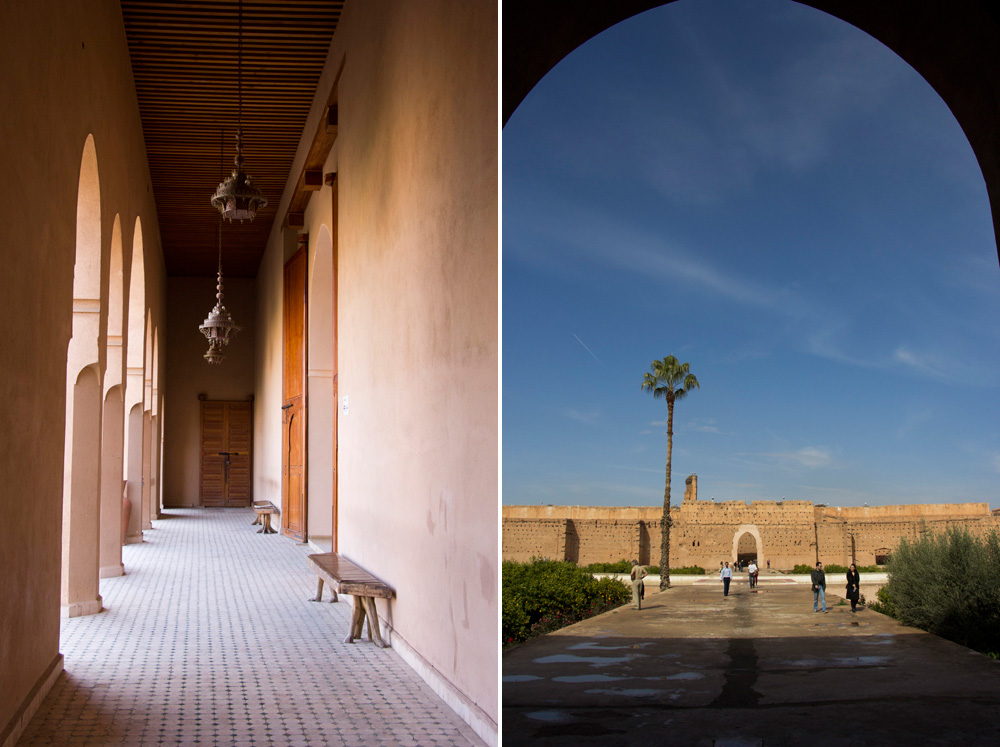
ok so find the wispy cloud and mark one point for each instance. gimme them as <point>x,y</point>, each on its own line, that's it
<point>583,416</point>
<point>707,426</point>
<point>924,364</point>
<point>808,456</point>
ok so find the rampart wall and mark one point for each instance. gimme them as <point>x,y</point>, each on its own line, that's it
<point>706,532</point>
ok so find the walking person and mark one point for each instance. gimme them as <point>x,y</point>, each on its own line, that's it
<point>752,570</point>
<point>638,587</point>
<point>726,574</point>
<point>818,578</point>
<point>853,586</point>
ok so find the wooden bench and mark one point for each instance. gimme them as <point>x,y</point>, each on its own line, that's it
<point>345,577</point>
<point>264,510</point>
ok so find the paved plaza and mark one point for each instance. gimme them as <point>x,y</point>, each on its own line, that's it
<point>210,639</point>
<point>754,668</point>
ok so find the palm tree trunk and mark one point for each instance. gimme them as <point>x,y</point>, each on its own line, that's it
<point>666,521</point>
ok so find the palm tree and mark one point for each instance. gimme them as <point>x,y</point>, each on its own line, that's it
<point>672,380</point>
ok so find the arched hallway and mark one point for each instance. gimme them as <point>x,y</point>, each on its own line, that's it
<point>210,638</point>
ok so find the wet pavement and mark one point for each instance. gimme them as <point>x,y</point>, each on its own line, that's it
<point>754,668</point>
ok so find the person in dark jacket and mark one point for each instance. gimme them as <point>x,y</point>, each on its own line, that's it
<point>818,578</point>
<point>853,586</point>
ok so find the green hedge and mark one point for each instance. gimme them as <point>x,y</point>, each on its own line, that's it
<point>835,568</point>
<point>545,595</point>
<point>947,584</point>
<point>625,566</point>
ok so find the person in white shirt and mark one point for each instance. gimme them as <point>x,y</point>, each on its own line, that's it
<point>726,574</point>
<point>752,571</point>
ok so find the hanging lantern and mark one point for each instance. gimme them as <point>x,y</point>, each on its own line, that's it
<point>219,325</point>
<point>237,197</point>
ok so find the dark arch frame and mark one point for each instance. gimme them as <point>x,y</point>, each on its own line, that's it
<point>955,47</point>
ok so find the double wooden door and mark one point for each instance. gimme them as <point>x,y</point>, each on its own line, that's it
<point>226,453</point>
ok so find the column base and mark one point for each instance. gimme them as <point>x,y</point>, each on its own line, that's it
<point>10,733</point>
<point>134,539</point>
<point>79,609</point>
<point>111,571</point>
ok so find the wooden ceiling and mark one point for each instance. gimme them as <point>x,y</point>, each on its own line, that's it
<point>185,64</point>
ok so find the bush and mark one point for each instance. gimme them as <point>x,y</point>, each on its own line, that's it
<point>688,570</point>
<point>622,566</point>
<point>883,603</point>
<point>545,595</point>
<point>836,568</point>
<point>947,584</point>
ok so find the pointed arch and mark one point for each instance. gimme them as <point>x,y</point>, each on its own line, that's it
<point>134,383</point>
<point>116,310</point>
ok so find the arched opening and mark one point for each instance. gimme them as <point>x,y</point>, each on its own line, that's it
<point>725,279</point>
<point>746,549</point>
<point>155,502</point>
<point>147,437</point>
<point>747,545</point>
<point>134,385</point>
<point>82,454</point>
<point>112,438</point>
<point>321,425</point>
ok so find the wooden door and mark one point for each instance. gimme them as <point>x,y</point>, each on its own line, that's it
<point>226,453</point>
<point>293,453</point>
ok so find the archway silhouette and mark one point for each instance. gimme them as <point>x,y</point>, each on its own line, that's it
<point>537,36</point>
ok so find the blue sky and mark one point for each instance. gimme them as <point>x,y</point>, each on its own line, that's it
<point>776,198</point>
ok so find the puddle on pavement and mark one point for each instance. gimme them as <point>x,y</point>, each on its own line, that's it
<point>842,661</point>
<point>573,678</point>
<point>627,692</point>
<point>597,661</point>
<point>594,646</point>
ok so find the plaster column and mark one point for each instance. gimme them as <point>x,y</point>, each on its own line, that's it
<point>81,500</point>
<point>112,463</point>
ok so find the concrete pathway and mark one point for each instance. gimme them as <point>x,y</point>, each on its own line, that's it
<point>754,668</point>
<point>209,639</point>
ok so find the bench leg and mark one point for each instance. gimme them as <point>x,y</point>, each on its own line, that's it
<point>267,525</point>
<point>369,604</point>
<point>357,620</point>
<point>256,520</point>
<point>319,591</point>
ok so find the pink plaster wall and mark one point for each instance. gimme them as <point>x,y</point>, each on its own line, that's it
<point>66,74</point>
<point>416,157</point>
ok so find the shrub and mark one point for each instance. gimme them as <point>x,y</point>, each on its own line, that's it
<point>883,603</point>
<point>622,566</point>
<point>801,568</point>
<point>947,584</point>
<point>688,570</point>
<point>545,595</point>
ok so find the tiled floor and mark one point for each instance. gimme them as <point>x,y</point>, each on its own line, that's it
<point>209,639</point>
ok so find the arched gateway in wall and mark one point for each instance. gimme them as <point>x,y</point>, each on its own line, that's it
<point>747,544</point>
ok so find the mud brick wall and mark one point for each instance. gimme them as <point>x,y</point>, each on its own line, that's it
<point>704,533</point>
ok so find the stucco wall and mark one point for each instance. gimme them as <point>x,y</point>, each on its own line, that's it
<point>416,157</point>
<point>188,374</point>
<point>66,75</point>
<point>705,532</point>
